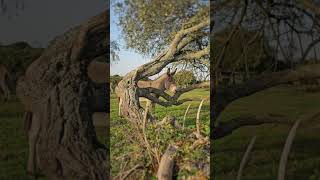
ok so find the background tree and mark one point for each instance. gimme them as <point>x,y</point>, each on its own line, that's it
<point>290,34</point>
<point>114,80</point>
<point>114,50</point>
<point>283,32</point>
<point>185,78</point>
<point>17,57</point>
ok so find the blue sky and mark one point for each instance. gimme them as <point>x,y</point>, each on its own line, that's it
<point>129,60</point>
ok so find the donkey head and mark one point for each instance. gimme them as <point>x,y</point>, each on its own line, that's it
<point>169,82</point>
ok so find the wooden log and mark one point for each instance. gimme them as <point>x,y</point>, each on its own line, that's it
<point>165,170</point>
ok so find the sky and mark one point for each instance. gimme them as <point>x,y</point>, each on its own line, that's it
<point>128,59</point>
<point>42,20</point>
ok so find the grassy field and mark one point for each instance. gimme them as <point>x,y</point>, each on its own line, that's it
<point>304,159</point>
<point>122,148</point>
<point>14,142</point>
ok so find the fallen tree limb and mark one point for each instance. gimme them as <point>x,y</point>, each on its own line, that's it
<point>165,170</point>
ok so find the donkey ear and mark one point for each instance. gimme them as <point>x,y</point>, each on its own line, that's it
<point>168,71</point>
<point>175,70</point>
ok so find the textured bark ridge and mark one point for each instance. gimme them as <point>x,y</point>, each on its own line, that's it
<point>58,93</point>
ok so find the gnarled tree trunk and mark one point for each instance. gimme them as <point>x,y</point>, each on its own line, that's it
<point>59,98</point>
<point>129,93</point>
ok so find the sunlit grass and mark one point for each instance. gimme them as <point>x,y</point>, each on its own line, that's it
<point>289,101</point>
<point>121,145</point>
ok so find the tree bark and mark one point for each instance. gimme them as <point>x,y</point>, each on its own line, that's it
<point>58,93</point>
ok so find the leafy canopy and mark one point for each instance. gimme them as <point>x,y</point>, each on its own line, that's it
<point>149,25</point>
<point>184,78</point>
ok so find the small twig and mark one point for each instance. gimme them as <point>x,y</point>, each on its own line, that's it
<point>245,157</point>
<point>185,115</point>
<point>198,118</point>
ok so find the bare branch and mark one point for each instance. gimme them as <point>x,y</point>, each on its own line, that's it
<point>173,49</point>
<point>185,115</point>
<point>198,124</point>
<point>179,92</point>
<point>171,100</point>
<point>312,44</point>
<point>194,55</point>
<point>286,151</point>
<point>167,56</point>
<point>165,103</point>
<point>233,31</point>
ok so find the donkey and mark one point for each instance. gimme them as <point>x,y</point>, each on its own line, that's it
<point>164,82</point>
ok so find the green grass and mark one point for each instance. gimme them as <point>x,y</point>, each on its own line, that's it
<point>124,148</point>
<point>14,142</point>
<point>304,159</point>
